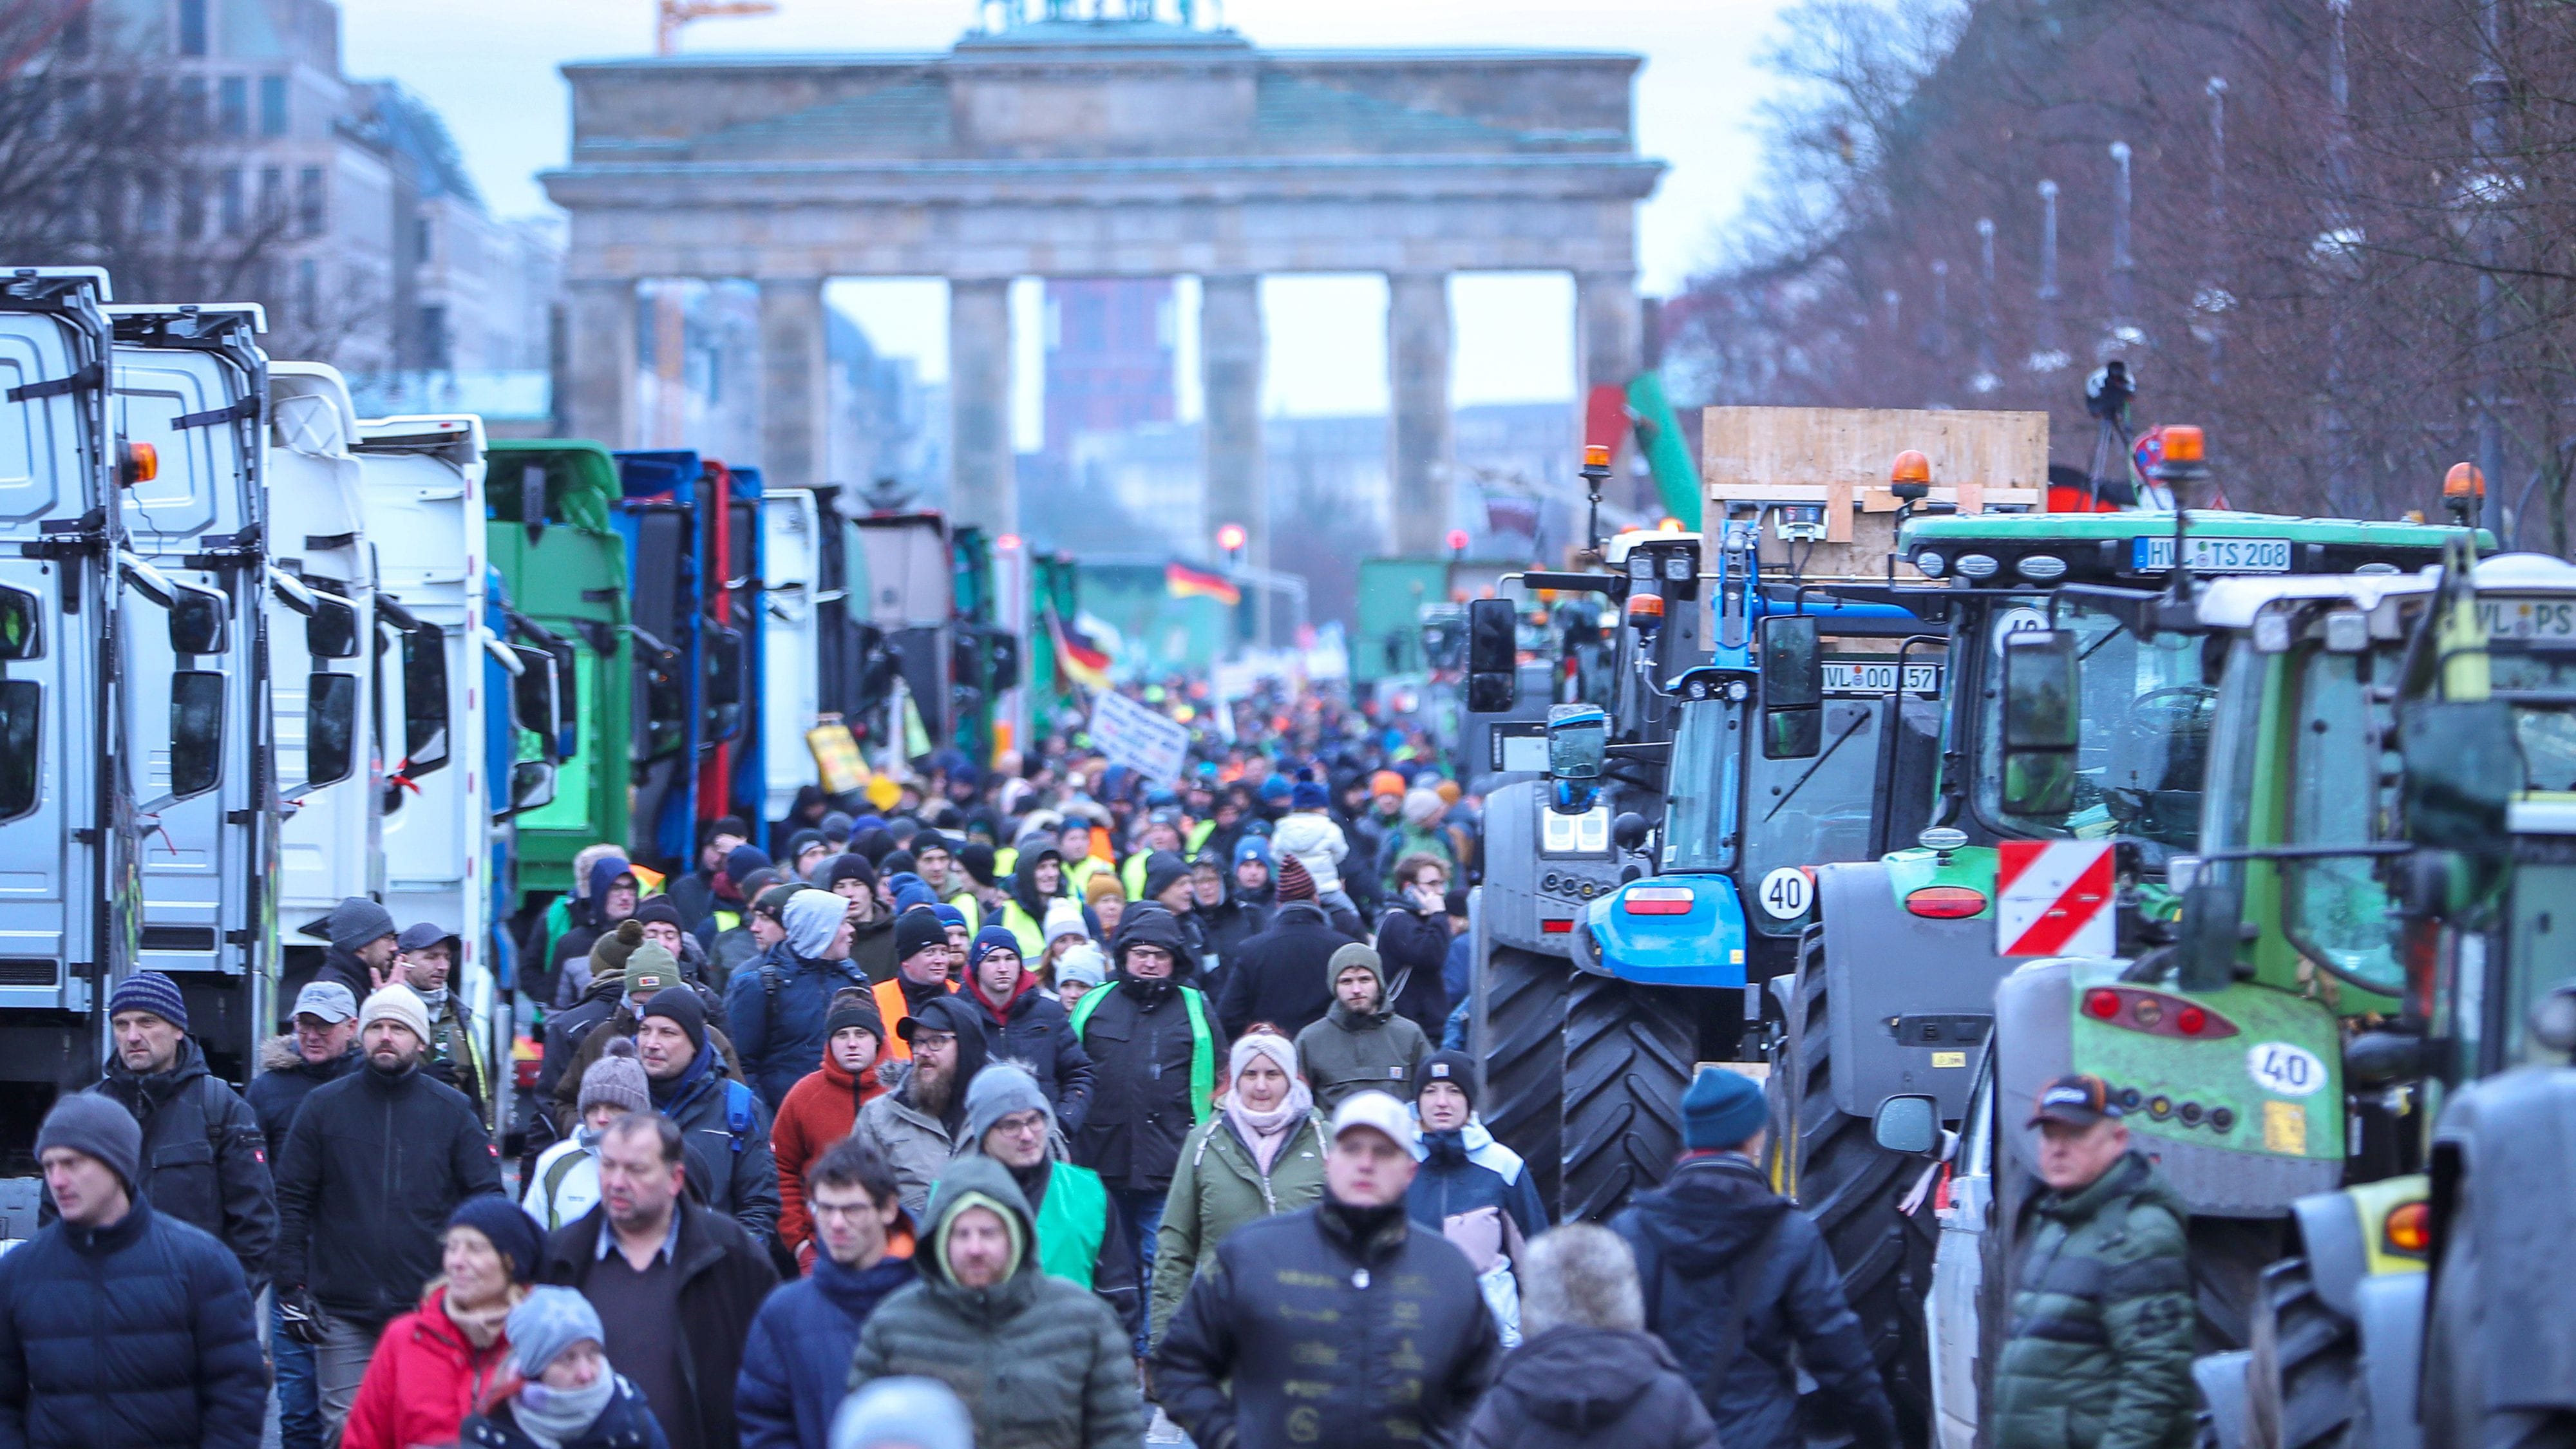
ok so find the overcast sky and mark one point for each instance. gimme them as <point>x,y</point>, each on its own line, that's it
<point>490,68</point>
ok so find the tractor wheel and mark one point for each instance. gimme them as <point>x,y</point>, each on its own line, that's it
<point>1628,1052</point>
<point>2300,1380</point>
<point>1826,1161</point>
<point>1523,1052</point>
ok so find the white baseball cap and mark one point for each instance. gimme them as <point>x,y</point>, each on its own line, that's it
<point>1378,1111</point>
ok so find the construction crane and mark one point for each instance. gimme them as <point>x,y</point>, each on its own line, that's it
<point>679,13</point>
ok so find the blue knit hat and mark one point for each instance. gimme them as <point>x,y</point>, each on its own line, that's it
<point>1252,847</point>
<point>989,940</point>
<point>508,1228</point>
<point>153,992</point>
<point>1720,1110</point>
<point>1307,795</point>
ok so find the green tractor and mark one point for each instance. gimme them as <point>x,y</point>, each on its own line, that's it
<point>2057,824</point>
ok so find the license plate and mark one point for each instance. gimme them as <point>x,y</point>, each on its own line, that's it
<point>1856,678</point>
<point>2155,555</point>
<point>2546,619</point>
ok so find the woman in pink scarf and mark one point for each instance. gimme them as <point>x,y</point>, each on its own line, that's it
<point>1261,1153</point>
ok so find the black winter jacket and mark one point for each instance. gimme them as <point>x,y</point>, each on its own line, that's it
<point>1037,1033</point>
<point>1140,1045</point>
<point>1228,924</point>
<point>775,1005</point>
<point>1591,1388</point>
<point>627,1423</point>
<point>205,1159</point>
<point>732,1170</point>
<point>373,1167</point>
<point>284,1081</point>
<point>1413,948</point>
<point>723,1275</point>
<point>1692,1237</point>
<point>1278,975</point>
<point>1356,1330</point>
<point>136,1336</point>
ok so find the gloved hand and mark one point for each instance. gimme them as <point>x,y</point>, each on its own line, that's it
<point>299,1317</point>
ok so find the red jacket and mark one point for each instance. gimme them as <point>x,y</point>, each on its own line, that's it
<point>817,1112</point>
<point>423,1382</point>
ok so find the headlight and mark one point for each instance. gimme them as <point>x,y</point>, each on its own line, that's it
<point>1932,564</point>
<point>1977,566</point>
<point>2040,567</point>
<point>1641,565</point>
<point>1677,568</point>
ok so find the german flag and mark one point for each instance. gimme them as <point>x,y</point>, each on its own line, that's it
<point>1074,654</point>
<point>1183,582</point>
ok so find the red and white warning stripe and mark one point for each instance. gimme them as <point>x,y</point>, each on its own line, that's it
<point>2053,898</point>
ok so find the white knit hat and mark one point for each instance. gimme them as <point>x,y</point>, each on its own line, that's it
<point>396,1002</point>
<point>1064,918</point>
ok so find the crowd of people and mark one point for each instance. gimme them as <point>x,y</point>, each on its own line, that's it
<point>1038,1107</point>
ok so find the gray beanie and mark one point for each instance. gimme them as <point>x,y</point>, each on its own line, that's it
<point>356,921</point>
<point>617,1078</point>
<point>912,1412</point>
<point>548,1321</point>
<point>95,1127</point>
<point>1081,963</point>
<point>997,1091</point>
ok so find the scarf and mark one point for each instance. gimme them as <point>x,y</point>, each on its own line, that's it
<point>436,1001</point>
<point>1267,1132</point>
<point>481,1327</point>
<point>551,1415</point>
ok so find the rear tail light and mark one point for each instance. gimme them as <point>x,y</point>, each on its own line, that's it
<point>2101,1003</point>
<point>1657,901</point>
<point>1945,903</point>
<point>2410,1229</point>
<point>2191,1021</point>
<point>1556,928</point>
<point>2155,1013</point>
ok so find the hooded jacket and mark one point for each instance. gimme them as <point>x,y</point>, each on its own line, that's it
<point>425,1378</point>
<point>1347,1051</point>
<point>1464,1169</point>
<point>1317,842</point>
<point>1145,1055</point>
<point>285,1079</point>
<point>619,1021</point>
<point>1218,1187</point>
<point>587,917</point>
<point>373,1166</point>
<point>1038,1362</point>
<point>1335,1326</point>
<point>205,1157</point>
<point>776,1006</point>
<point>2099,1348</point>
<point>818,1112</point>
<point>796,1369</point>
<point>721,1277</point>
<point>1278,974</point>
<point>1025,911</point>
<point>1591,1388</point>
<point>1415,948</point>
<point>1034,1030</point>
<point>727,1132</point>
<point>1225,926</point>
<point>913,1140</point>
<point>1716,1247</point>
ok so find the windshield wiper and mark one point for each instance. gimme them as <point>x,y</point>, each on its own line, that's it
<point>1827,753</point>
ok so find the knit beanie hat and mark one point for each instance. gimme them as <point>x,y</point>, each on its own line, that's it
<point>949,915</point>
<point>1102,885</point>
<point>610,954</point>
<point>977,857</point>
<point>1307,795</point>
<point>616,1079</point>
<point>1720,1110</point>
<point>1064,918</point>
<point>396,1002</point>
<point>835,826</point>
<point>909,890</point>
<point>149,991</point>
<point>1279,1049</point>
<point>853,1007</point>
<point>1163,870</point>
<point>512,1233</point>
<point>96,1127</point>
<point>999,1090</point>
<point>849,865</point>
<point>659,908</point>
<point>681,1008</point>
<point>1454,1067</point>
<point>1421,808</point>
<point>546,1322</point>
<point>914,1413</point>
<point>916,931</point>
<point>1081,965</point>
<point>1252,847</point>
<point>1352,953</point>
<point>811,918</point>
<point>650,970</point>
<point>1296,883</point>
<point>1387,782</point>
<point>1276,790</point>
<point>898,862</point>
<point>989,940</point>
<point>356,922</point>
<point>742,860</point>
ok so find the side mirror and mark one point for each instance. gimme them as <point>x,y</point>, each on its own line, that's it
<point>330,728</point>
<point>1793,688</point>
<point>331,630</point>
<point>2463,763</point>
<point>22,715</point>
<point>1493,656</point>
<point>1907,1126</point>
<point>22,634</point>
<point>1578,742</point>
<point>2210,931</point>
<point>197,620</point>
<point>2040,727</point>
<point>196,731</point>
<point>533,695</point>
<point>1628,831</point>
<point>532,784</point>
<point>723,683</point>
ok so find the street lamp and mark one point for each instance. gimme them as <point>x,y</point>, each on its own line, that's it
<point>1230,537</point>
<point>1457,543</point>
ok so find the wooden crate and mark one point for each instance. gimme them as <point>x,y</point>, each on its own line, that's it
<point>1839,458</point>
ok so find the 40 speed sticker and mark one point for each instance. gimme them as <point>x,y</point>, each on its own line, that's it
<point>2290,1071</point>
<point>1785,893</point>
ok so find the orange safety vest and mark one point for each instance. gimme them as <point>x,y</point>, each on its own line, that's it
<point>893,1006</point>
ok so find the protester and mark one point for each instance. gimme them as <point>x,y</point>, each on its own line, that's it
<point>564,1184</point>
<point>323,1047</point>
<point>1726,1262</point>
<point>1338,1324</point>
<point>1308,835</point>
<point>1022,1024</point>
<point>374,1166</point>
<point>649,973</point>
<point>1470,1188</point>
<point>796,1367</point>
<point>429,952</point>
<point>720,1117</point>
<point>1079,1236</point>
<point>205,1155</point>
<point>921,973</point>
<point>903,1413</point>
<point>1421,833</point>
<point>1038,1362</point>
<point>360,949</point>
<point>1106,899</point>
<point>921,1120</point>
<point>1154,1046</point>
<point>1078,972</point>
<point>436,1363</point>
<point>1282,975</point>
<point>1065,927</point>
<point>871,925</point>
<point>706,892</point>
<point>1413,939</point>
<point>822,1109</point>
<point>1361,1043</point>
<point>661,926</point>
<point>615,892</point>
<point>757,928</point>
<point>119,1325</point>
<point>778,1003</point>
<point>1227,915</point>
<point>1589,1376</point>
<point>677,1284</point>
<point>1037,881</point>
<point>568,1396</point>
<point>1261,1154</point>
<point>568,1031</point>
<point>2100,1348</point>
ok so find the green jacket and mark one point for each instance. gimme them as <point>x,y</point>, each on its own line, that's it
<point>1346,1053</point>
<point>1217,1188</point>
<point>2098,1355</point>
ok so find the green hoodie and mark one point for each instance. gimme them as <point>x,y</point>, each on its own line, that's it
<point>1039,1363</point>
<point>2098,1355</point>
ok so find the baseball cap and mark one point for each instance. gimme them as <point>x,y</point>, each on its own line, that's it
<point>2078,1099</point>
<point>1375,1110</point>
<point>328,1000</point>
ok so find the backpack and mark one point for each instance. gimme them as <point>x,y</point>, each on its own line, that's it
<point>742,1113</point>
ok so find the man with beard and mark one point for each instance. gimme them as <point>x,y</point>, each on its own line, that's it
<point>920,1123</point>
<point>374,1165</point>
<point>428,956</point>
<point>360,953</point>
